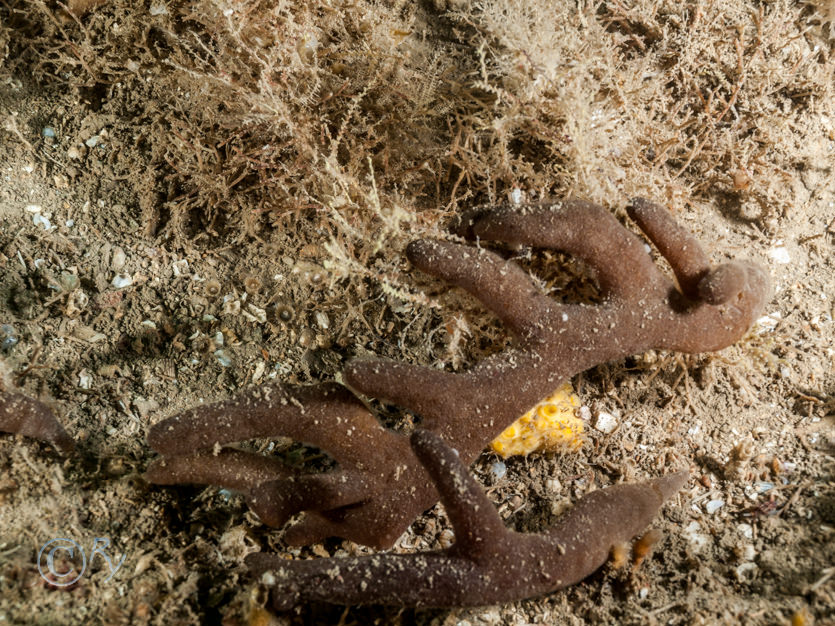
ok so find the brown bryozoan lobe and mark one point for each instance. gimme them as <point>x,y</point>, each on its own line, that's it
<point>488,564</point>
<point>26,416</point>
<point>380,486</point>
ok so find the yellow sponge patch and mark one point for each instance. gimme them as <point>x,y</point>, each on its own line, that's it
<point>550,426</point>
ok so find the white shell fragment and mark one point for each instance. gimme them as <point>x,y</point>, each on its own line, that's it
<point>85,380</point>
<point>498,469</point>
<point>42,221</point>
<point>605,422</point>
<point>255,314</point>
<point>746,530</point>
<point>697,539</point>
<point>223,358</point>
<point>767,323</point>
<point>713,506</point>
<point>180,268</point>
<point>121,281</point>
<point>780,254</point>
<point>231,305</point>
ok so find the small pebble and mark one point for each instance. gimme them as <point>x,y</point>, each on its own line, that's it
<point>322,320</point>
<point>118,259</point>
<point>93,141</point>
<point>256,376</point>
<point>306,338</point>
<point>698,539</point>
<point>767,323</point>
<point>68,281</point>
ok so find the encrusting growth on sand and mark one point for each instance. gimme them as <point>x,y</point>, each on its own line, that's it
<point>26,416</point>
<point>380,486</point>
<point>551,426</point>
<point>488,564</point>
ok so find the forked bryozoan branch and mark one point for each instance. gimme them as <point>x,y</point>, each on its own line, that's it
<point>381,487</point>
<point>374,461</point>
<point>488,564</point>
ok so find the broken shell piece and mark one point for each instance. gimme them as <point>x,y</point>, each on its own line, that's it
<point>780,254</point>
<point>223,358</point>
<point>255,314</point>
<point>713,506</point>
<point>120,281</point>
<point>231,305</point>
<point>8,337</point>
<point>605,422</point>
<point>42,221</point>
